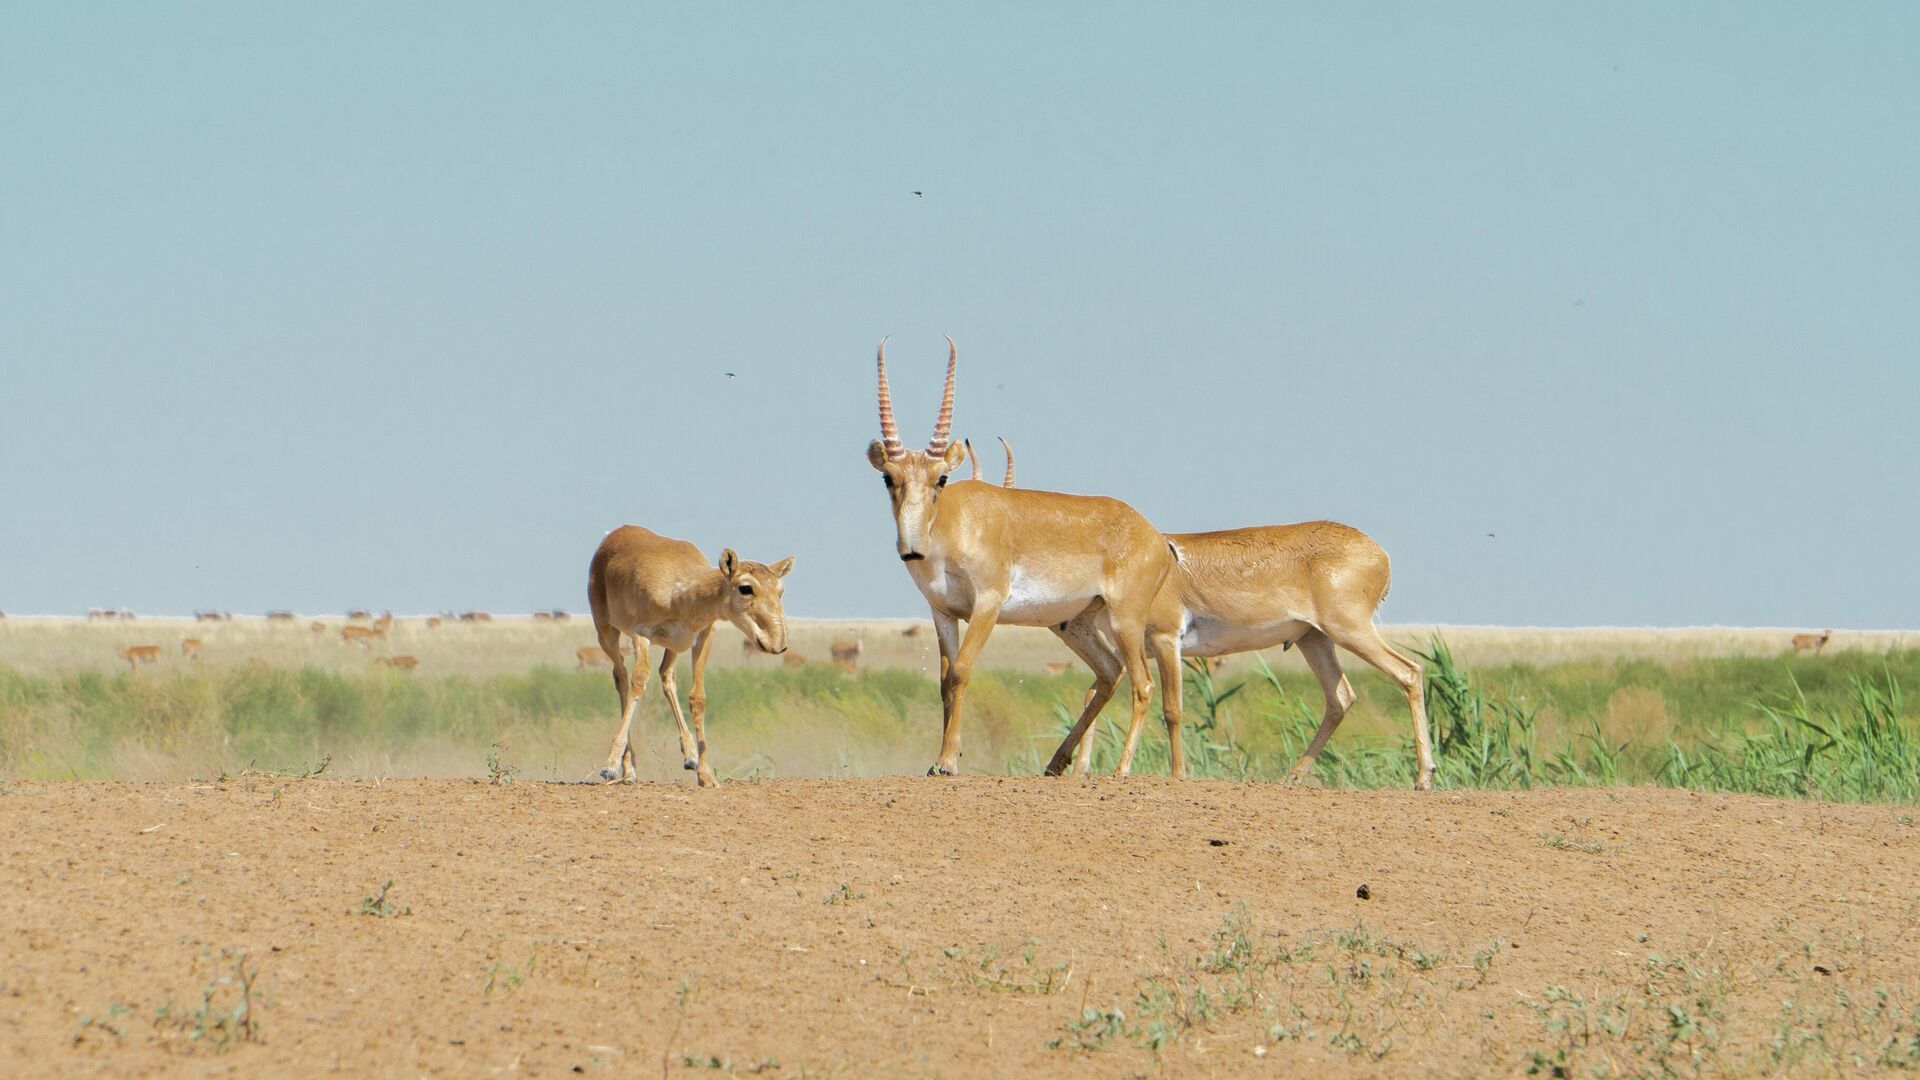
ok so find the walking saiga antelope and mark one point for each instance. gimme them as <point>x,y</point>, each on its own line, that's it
<point>987,555</point>
<point>135,655</point>
<point>661,590</point>
<point>1816,642</point>
<point>1315,584</point>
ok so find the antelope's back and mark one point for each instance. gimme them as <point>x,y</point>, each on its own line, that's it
<point>1239,572</point>
<point>634,563</point>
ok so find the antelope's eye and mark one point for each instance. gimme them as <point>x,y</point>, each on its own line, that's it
<point>942,482</point>
<point>746,590</point>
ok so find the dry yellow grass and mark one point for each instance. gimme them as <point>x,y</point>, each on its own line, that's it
<point>48,645</point>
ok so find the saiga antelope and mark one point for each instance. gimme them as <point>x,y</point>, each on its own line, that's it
<point>846,652</point>
<point>987,555</point>
<point>361,634</point>
<point>402,663</point>
<point>135,655</point>
<point>590,656</point>
<point>1816,642</point>
<point>660,590</point>
<point>190,648</point>
<point>1315,584</point>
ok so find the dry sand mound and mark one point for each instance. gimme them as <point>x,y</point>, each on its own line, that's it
<point>976,927</point>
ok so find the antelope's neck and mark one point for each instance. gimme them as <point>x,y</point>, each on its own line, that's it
<point>703,600</point>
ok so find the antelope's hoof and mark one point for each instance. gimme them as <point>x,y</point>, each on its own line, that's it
<point>609,775</point>
<point>943,769</point>
<point>689,764</point>
<point>705,779</point>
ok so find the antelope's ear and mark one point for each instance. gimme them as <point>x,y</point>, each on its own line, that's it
<point>783,567</point>
<point>956,457</point>
<point>729,562</point>
<point>876,454</point>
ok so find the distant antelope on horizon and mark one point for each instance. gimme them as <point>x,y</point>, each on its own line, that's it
<point>1816,642</point>
<point>361,635</point>
<point>135,655</point>
<point>847,652</point>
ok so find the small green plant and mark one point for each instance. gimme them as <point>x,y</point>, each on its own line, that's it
<point>844,895</point>
<point>378,904</point>
<point>1560,841</point>
<point>223,1019</point>
<point>498,770</point>
<point>506,978</point>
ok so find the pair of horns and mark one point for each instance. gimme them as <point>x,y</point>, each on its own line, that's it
<point>942,427</point>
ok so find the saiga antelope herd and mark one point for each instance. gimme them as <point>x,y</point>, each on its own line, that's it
<point>1089,568</point>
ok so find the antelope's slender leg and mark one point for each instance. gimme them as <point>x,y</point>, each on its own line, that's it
<point>985,612</point>
<point>689,756</point>
<point>1166,653</point>
<point>1132,645</point>
<point>1321,656</point>
<point>697,704</point>
<point>1081,636</point>
<point>1364,642</point>
<point>946,629</point>
<point>620,756</point>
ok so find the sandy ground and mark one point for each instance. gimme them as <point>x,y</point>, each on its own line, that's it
<point>955,928</point>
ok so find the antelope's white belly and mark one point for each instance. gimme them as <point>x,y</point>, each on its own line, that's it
<point>1034,602</point>
<point>1205,636</point>
<point>1030,602</point>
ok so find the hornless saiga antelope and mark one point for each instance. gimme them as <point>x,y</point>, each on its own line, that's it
<point>987,555</point>
<point>1315,584</point>
<point>657,589</point>
<point>1816,642</point>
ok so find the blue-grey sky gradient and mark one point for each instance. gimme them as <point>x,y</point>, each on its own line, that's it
<point>404,306</point>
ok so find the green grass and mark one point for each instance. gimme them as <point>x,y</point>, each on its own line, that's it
<point>1833,727</point>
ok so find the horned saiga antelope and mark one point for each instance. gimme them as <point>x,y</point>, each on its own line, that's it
<point>1315,584</point>
<point>987,555</point>
<point>660,590</point>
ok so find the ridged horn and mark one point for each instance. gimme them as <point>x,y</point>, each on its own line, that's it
<point>1008,482</point>
<point>889,433</point>
<point>943,425</point>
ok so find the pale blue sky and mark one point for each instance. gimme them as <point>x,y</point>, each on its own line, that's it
<point>404,306</point>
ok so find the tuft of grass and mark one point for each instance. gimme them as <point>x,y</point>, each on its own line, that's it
<point>844,895</point>
<point>224,1018</point>
<point>377,904</point>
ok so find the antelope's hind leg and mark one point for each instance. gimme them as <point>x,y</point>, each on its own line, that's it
<point>1081,636</point>
<point>619,764</point>
<point>1321,656</point>
<point>1364,642</point>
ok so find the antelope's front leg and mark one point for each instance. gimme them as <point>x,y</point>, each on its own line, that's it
<point>959,671</point>
<point>689,756</point>
<point>697,704</point>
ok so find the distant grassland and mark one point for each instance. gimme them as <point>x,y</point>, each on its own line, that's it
<point>1723,709</point>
